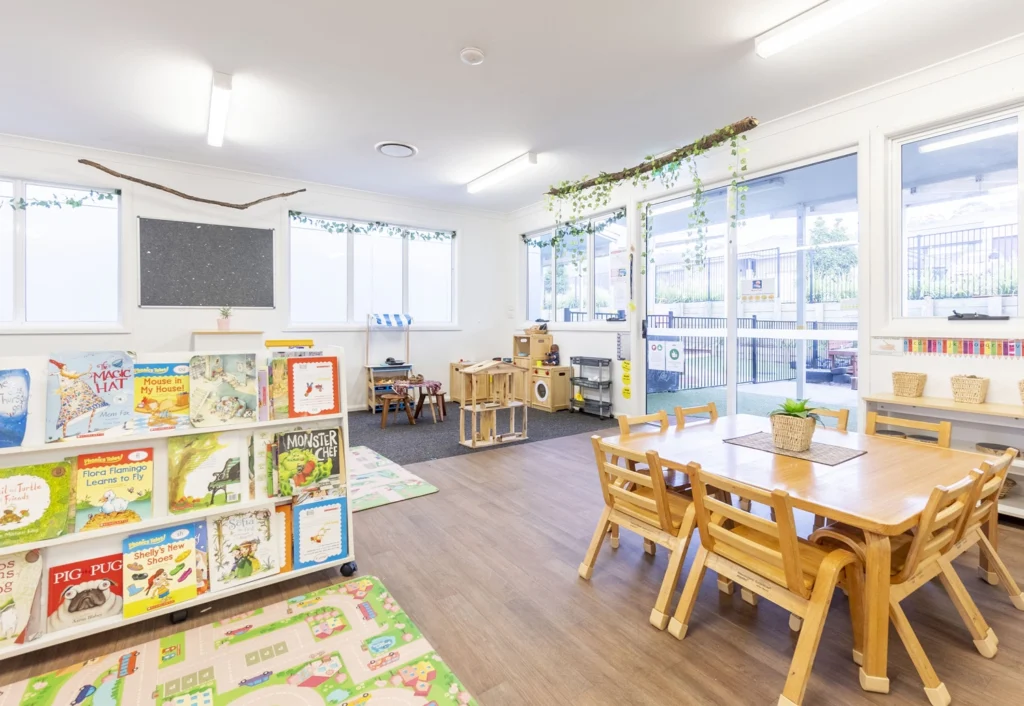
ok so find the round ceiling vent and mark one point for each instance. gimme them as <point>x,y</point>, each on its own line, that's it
<point>472,56</point>
<point>396,149</point>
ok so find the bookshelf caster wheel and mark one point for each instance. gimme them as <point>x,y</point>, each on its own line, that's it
<point>349,568</point>
<point>179,616</point>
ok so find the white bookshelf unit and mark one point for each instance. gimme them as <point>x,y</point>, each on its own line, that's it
<point>80,545</point>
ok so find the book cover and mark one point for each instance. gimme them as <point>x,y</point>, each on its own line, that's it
<point>161,396</point>
<point>263,392</point>
<point>202,558</point>
<point>20,578</point>
<point>158,569</point>
<point>320,532</point>
<point>113,488</point>
<point>312,386</point>
<point>278,381</point>
<point>284,517</point>
<point>203,470</point>
<point>222,389</point>
<point>35,502</point>
<point>261,468</point>
<point>83,591</point>
<point>309,463</point>
<point>243,548</point>
<point>14,386</point>
<point>89,393</point>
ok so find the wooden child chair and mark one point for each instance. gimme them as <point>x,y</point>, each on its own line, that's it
<point>768,559</point>
<point>709,409</point>
<point>943,429</point>
<point>842,416</point>
<point>625,422</point>
<point>640,503</point>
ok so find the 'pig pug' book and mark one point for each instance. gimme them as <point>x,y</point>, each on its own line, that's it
<point>88,393</point>
<point>114,488</point>
<point>309,464</point>
<point>83,591</point>
<point>222,389</point>
<point>14,386</point>
<point>20,575</point>
<point>159,569</point>
<point>35,502</point>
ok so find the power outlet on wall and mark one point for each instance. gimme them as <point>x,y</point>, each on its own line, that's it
<point>510,312</point>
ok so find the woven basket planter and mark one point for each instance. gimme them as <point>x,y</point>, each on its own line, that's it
<point>969,388</point>
<point>908,384</point>
<point>1008,485</point>
<point>792,433</point>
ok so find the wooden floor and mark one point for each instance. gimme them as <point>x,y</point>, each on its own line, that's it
<point>487,569</point>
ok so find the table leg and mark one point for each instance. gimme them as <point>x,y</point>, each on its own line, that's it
<point>408,410</point>
<point>878,562</point>
<point>419,404</point>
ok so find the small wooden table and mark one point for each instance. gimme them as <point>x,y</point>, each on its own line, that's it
<point>882,492</point>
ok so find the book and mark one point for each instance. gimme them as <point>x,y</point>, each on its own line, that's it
<point>83,591</point>
<point>203,470</point>
<point>277,381</point>
<point>320,532</point>
<point>312,386</point>
<point>243,548</point>
<point>14,387</point>
<point>89,393</point>
<point>202,558</point>
<point>309,463</point>
<point>113,488</point>
<point>161,396</point>
<point>36,502</point>
<point>222,389</point>
<point>159,569</point>
<point>261,464</point>
<point>20,578</point>
<point>284,530</point>
<point>263,392</point>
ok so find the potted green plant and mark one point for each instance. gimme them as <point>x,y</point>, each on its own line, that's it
<point>224,322</point>
<point>793,424</point>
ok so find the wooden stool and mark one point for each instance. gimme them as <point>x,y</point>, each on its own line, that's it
<point>432,398</point>
<point>389,398</point>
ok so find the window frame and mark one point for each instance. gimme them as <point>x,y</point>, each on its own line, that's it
<point>350,324</point>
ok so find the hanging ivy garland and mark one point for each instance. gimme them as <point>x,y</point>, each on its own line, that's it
<point>573,234</point>
<point>381,227</point>
<point>20,204</point>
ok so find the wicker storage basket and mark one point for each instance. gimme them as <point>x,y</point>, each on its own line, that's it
<point>908,384</point>
<point>792,433</point>
<point>1008,485</point>
<point>969,388</point>
<point>1020,386</point>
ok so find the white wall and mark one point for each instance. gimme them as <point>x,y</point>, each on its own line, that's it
<point>483,285</point>
<point>986,80</point>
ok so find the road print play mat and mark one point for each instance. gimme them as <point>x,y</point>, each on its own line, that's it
<point>347,645</point>
<point>375,480</point>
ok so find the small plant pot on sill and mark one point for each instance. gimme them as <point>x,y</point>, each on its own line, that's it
<point>223,324</point>
<point>792,433</point>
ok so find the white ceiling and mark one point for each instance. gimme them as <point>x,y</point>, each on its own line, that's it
<point>589,84</point>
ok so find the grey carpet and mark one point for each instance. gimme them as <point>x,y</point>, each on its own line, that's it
<point>426,441</point>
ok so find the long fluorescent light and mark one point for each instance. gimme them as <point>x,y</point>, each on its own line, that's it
<point>817,20</point>
<point>220,101</point>
<point>501,173</point>
<point>968,137</point>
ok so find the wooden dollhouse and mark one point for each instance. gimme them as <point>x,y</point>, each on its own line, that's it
<point>488,387</point>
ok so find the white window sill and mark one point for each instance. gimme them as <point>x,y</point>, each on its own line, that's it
<point>61,329</point>
<point>327,328</point>
<point>607,327</point>
<point>940,327</point>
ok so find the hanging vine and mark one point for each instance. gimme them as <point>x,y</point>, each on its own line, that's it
<point>573,234</point>
<point>332,226</point>
<point>20,204</point>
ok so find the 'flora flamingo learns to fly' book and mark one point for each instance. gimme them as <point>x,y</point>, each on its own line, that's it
<point>161,396</point>
<point>35,502</point>
<point>88,393</point>
<point>159,569</point>
<point>83,591</point>
<point>114,488</point>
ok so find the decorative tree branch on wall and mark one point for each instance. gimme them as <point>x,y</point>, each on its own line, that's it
<point>365,228</point>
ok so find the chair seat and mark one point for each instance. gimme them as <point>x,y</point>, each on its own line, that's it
<point>677,504</point>
<point>900,545</point>
<point>811,556</point>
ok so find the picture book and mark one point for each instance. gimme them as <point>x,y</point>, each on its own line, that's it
<point>14,385</point>
<point>261,445</point>
<point>89,393</point>
<point>222,389</point>
<point>36,502</point>
<point>203,470</point>
<point>83,591</point>
<point>263,393</point>
<point>158,569</point>
<point>202,558</point>
<point>243,548</point>
<point>161,396</point>
<point>113,488</point>
<point>20,578</point>
<point>312,386</point>
<point>278,388</point>
<point>309,463</point>
<point>284,531</point>
<point>320,532</point>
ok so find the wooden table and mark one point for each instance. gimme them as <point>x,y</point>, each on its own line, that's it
<point>882,492</point>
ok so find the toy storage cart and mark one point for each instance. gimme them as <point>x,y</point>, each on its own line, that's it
<point>591,386</point>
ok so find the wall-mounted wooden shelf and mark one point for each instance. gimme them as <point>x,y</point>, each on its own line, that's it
<point>947,405</point>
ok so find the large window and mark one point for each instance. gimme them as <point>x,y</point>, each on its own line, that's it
<point>579,276</point>
<point>59,255</point>
<point>959,216</point>
<point>338,275</point>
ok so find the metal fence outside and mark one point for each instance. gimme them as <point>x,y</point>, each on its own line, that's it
<point>974,262</point>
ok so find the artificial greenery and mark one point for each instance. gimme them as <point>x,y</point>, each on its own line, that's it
<point>225,312</point>
<point>332,226</point>
<point>796,408</point>
<point>20,204</point>
<point>571,237</point>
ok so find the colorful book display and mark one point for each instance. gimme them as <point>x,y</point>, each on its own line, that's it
<point>159,569</point>
<point>222,389</point>
<point>321,532</point>
<point>35,502</point>
<point>309,463</point>
<point>87,393</point>
<point>203,470</point>
<point>312,386</point>
<point>261,464</point>
<point>83,591</point>
<point>114,488</point>
<point>14,385</point>
<point>278,388</point>
<point>161,396</point>
<point>202,558</point>
<point>20,576</point>
<point>242,548</point>
<point>284,530</point>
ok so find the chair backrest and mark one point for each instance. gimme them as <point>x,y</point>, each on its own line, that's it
<point>943,429</point>
<point>620,485</point>
<point>777,559</point>
<point>709,409</point>
<point>939,526</point>
<point>984,496</point>
<point>660,417</point>
<point>842,416</point>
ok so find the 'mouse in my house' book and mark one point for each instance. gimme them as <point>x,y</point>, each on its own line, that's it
<point>36,502</point>
<point>88,393</point>
<point>14,388</point>
<point>161,396</point>
<point>114,488</point>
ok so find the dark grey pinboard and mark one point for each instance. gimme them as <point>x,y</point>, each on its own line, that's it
<point>201,265</point>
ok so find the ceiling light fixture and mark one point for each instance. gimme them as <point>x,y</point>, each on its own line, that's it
<point>503,172</point>
<point>399,150</point>
<point>817,20</point>
<point>220,101</point>
<point>968,138</point>
<point>472,56</point>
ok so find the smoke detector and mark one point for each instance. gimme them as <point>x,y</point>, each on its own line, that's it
<point>472,56</point>
<point>399,150</point>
